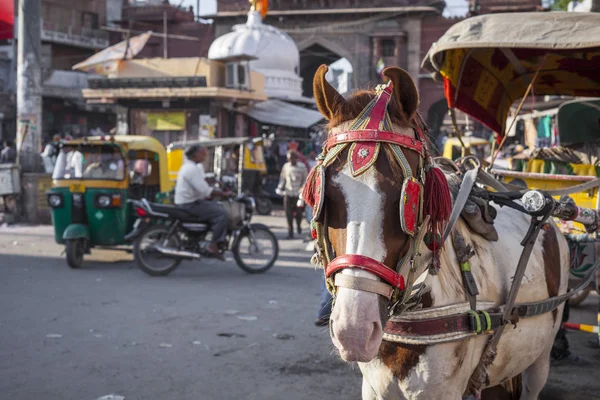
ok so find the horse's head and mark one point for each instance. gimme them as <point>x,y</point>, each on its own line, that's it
<point>370,215</point>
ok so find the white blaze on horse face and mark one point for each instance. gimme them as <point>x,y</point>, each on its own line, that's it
<point>356,321</point>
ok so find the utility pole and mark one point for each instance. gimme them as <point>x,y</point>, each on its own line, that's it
<point>29,86</point>
<point>165,41</point>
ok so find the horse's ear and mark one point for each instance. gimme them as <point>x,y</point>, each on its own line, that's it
<point>328,99</point>
<point>405,90</point>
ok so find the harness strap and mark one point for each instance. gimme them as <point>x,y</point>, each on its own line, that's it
<point>461,199</point>
<point>374,135</point>
<point>474,322</point>
<point>364,284</point>
<point>368,264</point>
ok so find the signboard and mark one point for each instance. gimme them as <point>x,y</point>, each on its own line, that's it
<point>207,126</point>
<point>166,121</point>
<point>44,184</point>
<point>7,19</point>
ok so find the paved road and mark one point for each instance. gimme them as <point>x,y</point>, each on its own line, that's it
<point>208,331</point>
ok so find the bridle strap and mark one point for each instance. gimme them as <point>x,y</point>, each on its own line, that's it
<point>374,135</point>
<point>364,284</point>
<point>366,264</point>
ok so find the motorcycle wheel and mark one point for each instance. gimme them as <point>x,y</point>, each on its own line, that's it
<point>146,256</point>
<point>256,250</point>
<point>264,206</point>
<point>74,250</point>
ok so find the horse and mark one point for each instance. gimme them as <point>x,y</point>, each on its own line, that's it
<point>359,205</point>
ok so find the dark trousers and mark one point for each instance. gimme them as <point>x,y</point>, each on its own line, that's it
<point>291,209</point>
<point>212,213</point>
<point>326,301</point>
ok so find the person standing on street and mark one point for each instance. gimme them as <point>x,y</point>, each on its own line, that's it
<point>8,154</point>
<point>292,178</point>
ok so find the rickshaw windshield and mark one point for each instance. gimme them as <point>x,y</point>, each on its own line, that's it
<point>89,162</point>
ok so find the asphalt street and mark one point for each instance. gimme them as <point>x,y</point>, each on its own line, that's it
<point>207,331</point>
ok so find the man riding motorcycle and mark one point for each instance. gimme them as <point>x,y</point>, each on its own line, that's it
<point>193,194</point>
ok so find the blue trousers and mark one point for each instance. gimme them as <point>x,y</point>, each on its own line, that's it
<point>326,300</point>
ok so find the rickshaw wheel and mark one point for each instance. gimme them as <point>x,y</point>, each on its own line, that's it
<point>264,206</point>
<point>74,249</point>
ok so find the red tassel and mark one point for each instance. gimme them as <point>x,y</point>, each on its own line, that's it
<point>308,193</point>
<point>437,200</point>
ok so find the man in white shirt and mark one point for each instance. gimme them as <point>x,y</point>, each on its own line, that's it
<point>193,193</point>
<point>292,178</point>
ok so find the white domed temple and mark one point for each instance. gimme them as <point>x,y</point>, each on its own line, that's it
<point>268,50</point>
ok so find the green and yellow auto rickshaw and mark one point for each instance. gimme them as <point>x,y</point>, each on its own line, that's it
<point>92,180</point>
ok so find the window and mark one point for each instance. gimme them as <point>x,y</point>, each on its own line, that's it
<point>388,47</point>
<point>236,76</point>
<point>241,72</point>
<point>89,20</point>
<point>230,75</point>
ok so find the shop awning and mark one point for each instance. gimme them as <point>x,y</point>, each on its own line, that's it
<point>280,113</point>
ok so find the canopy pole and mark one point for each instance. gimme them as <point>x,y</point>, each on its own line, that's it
<point>529,87</point>
<point>457,133</point>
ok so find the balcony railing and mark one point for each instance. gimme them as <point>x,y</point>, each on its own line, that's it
<point>71,36</point>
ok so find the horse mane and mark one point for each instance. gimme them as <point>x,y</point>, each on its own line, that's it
<point>358,101</point>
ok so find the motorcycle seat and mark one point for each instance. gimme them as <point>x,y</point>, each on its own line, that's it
<point>173,211</point>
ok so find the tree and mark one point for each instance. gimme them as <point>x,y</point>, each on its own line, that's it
<point>561,5</point>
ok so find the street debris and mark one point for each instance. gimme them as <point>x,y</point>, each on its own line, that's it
<point>273,302</point>
<point>165,345</point>
<point>111,397</point>
<point>231,335</point>
<point>247,317</point>
<point>283,336</point>
<point>231,312</point>
<point>54,336</point>
<point>229,351</point>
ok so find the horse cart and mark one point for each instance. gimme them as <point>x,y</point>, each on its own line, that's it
<point>485,74</point>
<point>447,281</point>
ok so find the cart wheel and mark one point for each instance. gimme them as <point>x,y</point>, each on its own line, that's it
<point>75,249</point>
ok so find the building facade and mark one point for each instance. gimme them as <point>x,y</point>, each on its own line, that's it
<point>391,32</point>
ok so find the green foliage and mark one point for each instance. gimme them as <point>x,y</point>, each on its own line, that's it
<point>561,5</point>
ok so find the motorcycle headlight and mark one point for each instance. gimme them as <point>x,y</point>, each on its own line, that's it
<point>103,201</point>
<point>55,200</point>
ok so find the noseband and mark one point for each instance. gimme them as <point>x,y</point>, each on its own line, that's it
<point>364,137</point>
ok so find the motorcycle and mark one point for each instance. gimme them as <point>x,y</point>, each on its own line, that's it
<point>164,235</point>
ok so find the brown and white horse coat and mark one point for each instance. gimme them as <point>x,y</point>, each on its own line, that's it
<point>361,216</point>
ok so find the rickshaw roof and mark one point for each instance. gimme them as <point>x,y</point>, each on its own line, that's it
<point>214,142</point>
<point>132,142</point>
<point>488,61</point>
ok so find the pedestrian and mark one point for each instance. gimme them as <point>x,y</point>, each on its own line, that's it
<point>8,154</point>
<point>50,153</point>
<point>325,306</point>
<point>292,178</point>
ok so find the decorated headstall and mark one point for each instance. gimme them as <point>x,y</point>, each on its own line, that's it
<point>419,214</point>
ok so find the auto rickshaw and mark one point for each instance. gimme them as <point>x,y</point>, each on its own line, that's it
<point>490,63</point>
<point>92,180</point>
<point>238,161</point>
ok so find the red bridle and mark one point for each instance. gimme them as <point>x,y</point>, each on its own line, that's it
<point>366,264</point>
